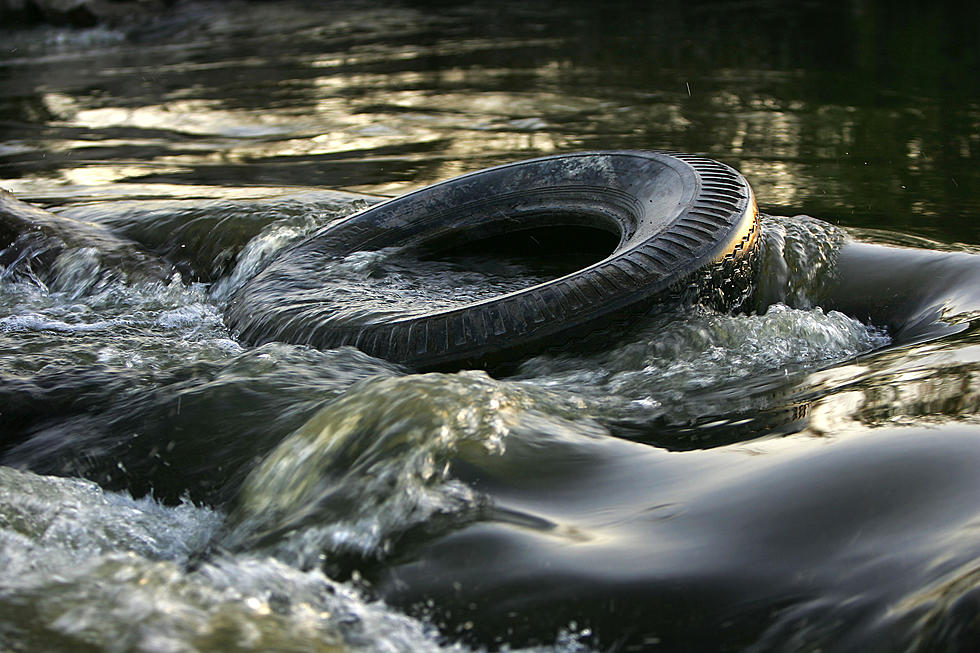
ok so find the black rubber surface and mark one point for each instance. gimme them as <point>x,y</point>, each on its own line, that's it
<point>675,215</point>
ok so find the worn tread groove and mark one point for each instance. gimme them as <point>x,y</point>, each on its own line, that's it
<point>654,262</point>
<point>694,230</point>
<point>638,270</point>
<point>663,252</point>
<point>712,225</point>
<point>681,240</point>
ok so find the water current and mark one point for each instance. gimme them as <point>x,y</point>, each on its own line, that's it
<point>798,475</point>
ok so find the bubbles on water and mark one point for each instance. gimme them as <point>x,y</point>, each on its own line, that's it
<point>87,568</point>
<point>84,568</point>
<point>153,324</point>
<point>39,322</point>
<point>691,363</point>
<point>77,520</point>
<point>669,362</point>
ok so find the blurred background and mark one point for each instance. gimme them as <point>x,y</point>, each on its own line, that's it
<point>862,112</point>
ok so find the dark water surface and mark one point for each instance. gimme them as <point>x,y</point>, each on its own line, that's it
<point>798,476</point>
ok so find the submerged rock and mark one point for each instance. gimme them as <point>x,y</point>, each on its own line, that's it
<point>32,239</point>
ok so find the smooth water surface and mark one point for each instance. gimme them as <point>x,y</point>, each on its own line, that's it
<point>799,475</point>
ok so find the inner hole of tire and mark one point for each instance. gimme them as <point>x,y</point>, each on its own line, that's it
<point>543,252</point>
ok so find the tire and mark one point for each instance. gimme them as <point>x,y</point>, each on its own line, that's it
<point>676,216</point>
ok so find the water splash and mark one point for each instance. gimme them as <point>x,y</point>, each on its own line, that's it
<point>86,568</point>
<point>196,429</point>
<point>79,520</point>
<point>369,287</point>
<point>151,325</point>
<point>797,253</point>
<point>678,364</point>
<point>377,462</point>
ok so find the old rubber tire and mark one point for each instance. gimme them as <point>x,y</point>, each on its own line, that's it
<point>674,214</point>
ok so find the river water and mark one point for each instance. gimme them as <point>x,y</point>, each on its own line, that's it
<point>800,475</point>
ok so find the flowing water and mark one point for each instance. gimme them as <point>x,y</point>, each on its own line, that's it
<point>800,475</point>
